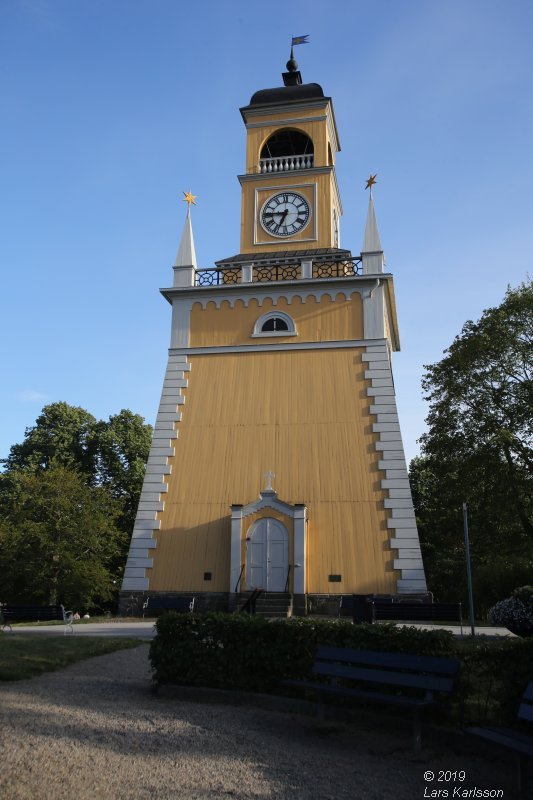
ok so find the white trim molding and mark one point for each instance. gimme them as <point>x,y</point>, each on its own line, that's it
<point>262,348</point>
<point>155,487</point>
<point>399,504</point>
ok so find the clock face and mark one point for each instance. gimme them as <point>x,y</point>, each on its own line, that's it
<point>285,214</point>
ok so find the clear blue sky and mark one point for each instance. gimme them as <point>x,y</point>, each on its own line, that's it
<point>111,108</point>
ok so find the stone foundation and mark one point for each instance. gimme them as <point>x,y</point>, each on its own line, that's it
<point>327,605</point>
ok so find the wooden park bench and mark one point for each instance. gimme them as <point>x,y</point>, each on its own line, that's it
<point>25,613</point>
<point>518,742</point>
<point>161,603</point>
<point>404,681</point>
<point>403,611</point>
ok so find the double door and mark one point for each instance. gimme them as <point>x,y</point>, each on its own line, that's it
<point>267,561</point>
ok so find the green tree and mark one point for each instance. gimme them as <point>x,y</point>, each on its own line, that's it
<point>478,449</point>
<point>105,462</point>
<point>59,540</point>
<point>111,453</point>
<point>123,447</point>
<point>63,435</point>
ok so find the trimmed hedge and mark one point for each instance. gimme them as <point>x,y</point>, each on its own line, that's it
<point>250,653</point>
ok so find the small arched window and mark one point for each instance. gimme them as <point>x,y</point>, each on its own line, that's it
<point>275,323</point>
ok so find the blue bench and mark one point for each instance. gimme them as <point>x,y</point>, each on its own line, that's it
<point>397,679</point>
<point>11,612</point>
<point>161,603</point>
<point>368,610</point>
<point>518,742</point>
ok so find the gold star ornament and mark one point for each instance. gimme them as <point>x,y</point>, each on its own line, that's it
<point>189,198</point>
<point>371,181</point>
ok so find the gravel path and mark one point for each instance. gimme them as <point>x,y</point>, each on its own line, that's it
<point>94,731</point>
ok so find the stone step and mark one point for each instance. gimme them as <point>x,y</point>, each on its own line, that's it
<point>271,602</point>
<point>271,605</point>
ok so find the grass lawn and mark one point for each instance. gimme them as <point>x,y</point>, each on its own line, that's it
<point>25,656</point>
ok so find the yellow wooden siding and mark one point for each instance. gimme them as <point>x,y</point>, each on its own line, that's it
<point>303,415</point>
<point>316,320</point>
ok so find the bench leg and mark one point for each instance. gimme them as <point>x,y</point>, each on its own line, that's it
<point>417,733</point>
<point>522,775</point>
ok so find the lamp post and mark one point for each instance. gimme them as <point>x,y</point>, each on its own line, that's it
<point>468,570</point>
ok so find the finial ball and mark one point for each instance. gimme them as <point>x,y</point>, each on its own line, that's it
<point>292,65</point>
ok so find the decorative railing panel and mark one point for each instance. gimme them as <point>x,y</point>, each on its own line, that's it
<point>336,269</point>
<point>228,276</point>
<point>286,163</point>
<point>218,276</point>
<point>286,272</point>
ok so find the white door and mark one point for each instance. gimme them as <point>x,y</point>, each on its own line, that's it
<point>267,556</point>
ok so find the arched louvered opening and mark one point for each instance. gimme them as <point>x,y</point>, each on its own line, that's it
<point>286,150</point>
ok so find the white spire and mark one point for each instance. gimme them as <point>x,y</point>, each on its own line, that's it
<point>186,256</point>
<point>185,264</point>
<point>372,242</point>
<point>372,252</point>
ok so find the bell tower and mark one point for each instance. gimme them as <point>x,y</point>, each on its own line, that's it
<point>290,196</point>
<point>280,367</point>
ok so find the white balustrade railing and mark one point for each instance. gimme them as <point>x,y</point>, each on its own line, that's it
<point>286,163</point>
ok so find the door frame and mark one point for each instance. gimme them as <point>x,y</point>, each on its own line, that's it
<point>268,499</point>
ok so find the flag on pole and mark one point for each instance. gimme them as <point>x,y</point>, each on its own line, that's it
<point>300,39</point>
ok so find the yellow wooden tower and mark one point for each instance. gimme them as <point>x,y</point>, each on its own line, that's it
<point>277,461</point>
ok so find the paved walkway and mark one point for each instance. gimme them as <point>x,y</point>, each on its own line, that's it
<point>94,731</point>
<point>145,630</point>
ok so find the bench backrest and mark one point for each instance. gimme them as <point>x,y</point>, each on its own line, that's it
<point>169,604</point>
<point>29,613</point>
<point>525,710</point>
<point>425,673</point>
<point>387,608</point>
<point>347,601</point>
<point>418,611</point>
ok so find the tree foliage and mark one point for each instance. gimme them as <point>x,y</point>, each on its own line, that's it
<point>59,540</point>
<point>68,499</point>
<point>110,453</point>
<point>64,436</point>
<point>478,450</point>
<point>123,444</point>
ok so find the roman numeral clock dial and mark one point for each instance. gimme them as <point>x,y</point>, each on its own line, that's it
<point>285,214</point>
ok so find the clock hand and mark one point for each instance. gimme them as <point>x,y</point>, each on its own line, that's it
<point>281,214</point>
<point>275,213</point>
<point>282,220</point>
